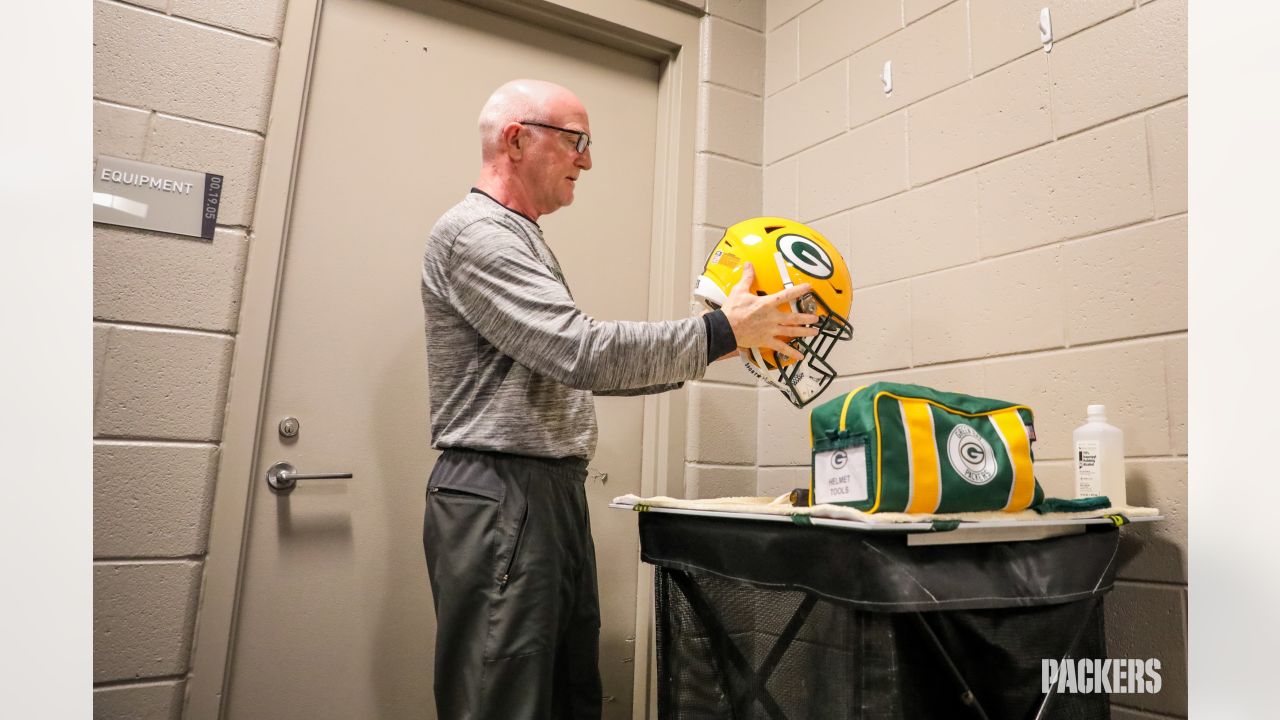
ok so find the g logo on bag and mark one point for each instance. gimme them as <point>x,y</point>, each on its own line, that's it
<point>805,255</point>
<point>839,458</point>
<point>971,455</point>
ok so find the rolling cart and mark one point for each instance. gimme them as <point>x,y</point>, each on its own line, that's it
<point>829,619</point>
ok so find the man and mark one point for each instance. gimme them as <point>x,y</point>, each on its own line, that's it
<point>513,366</point>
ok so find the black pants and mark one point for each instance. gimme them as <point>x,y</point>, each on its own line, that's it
<point>513,576</point>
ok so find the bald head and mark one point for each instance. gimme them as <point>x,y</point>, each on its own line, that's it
<point>530,131</point>
<point>523,100</point>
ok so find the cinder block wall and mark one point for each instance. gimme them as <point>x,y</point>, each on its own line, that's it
<point>183,83</point>
<point>1015,222</point>
<point>720,457</point>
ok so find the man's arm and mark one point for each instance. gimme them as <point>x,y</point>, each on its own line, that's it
<point>720,345</point>
<point>511,298</point>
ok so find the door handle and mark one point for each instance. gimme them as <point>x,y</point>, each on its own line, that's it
<point>282,477</point>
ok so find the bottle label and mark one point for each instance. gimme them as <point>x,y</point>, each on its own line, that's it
<point>1088,474</point>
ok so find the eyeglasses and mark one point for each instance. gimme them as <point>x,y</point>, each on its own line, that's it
<point>584,140</point>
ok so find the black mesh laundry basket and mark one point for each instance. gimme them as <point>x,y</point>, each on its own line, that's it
<point>769,620</point>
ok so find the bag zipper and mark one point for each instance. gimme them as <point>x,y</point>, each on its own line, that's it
<point>844,411</point>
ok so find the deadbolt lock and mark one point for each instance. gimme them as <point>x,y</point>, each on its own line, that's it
<point>289,427</point>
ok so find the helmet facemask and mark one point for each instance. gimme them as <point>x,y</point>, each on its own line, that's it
<point>801,381</point>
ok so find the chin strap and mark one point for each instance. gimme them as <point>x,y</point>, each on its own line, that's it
<point>804,387</point>
<point>807,388</point>
<point>755,368</point>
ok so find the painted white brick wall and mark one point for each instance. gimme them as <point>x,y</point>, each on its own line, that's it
<point>930,228</point>
<point>187,84</point>
<point>1127,283</point>
<point>806,113</point>
<point>152,500</point>
<point>150,60</point>
<point>777,12</point>
<point>157,279</point>
<point>830,183</point>
<point>927,57</point>
<point>143,701</point>
<point>733,122</point>
<point>259,18</point>
<point>1167,135</point>
<point>1175,364</point>
<point>733,55</point>
<point>153,383</point>
<point>727,190</point>
<point>1091,182</point>
<point>722,423</point>
<point>833,29</point>
<point>1002,30</point>
<point>881,321</point>
<point>142,620</point>
<point>744,12</point>
<point>781,196</point>
<point>913,10</point>
<point>782,57</point>
<point>1131,63</point>
<point>997,307</point>
<point>1015,223</point>
<point>720,450</point>
<point>986,118</point>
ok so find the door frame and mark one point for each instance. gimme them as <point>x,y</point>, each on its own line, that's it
<point>668,33</point>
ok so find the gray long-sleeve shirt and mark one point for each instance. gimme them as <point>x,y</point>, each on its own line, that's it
<point>512,362</point>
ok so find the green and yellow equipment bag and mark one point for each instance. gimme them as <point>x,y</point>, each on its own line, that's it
<point>891,447</point>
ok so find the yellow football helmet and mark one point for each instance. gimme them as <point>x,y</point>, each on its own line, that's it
<point>785,253</point>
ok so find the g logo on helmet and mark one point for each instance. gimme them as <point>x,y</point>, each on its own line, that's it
<point>806,256</point>
<point>971,455</point>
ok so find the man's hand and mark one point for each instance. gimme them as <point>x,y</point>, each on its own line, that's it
<point>757,321</point>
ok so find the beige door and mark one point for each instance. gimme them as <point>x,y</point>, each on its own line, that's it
<point>334,617</point>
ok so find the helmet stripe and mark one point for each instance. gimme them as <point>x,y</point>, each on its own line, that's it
<point>782,269</point>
